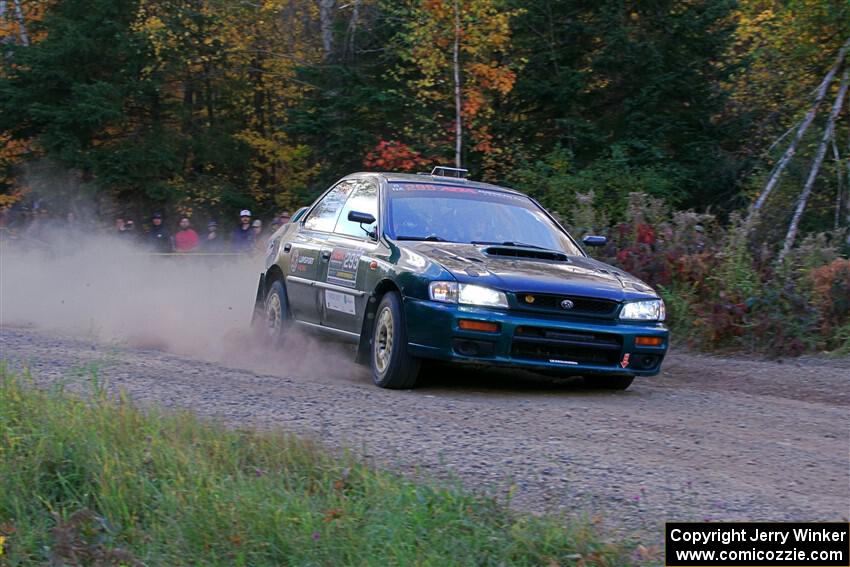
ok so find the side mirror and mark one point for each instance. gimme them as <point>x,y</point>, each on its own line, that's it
<point>364,218</point>
<point>591,240</point>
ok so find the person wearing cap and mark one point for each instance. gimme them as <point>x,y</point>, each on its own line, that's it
<point>186,238</point>
<point>157,238</point>
<point>242,239</point>
<point>213,242</point>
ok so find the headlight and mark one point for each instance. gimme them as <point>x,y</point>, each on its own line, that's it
<point>480,295</point>
<point>443,291</point>
<point>652,310</point>
<point>468,294</point>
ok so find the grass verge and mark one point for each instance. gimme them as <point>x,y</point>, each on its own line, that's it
<point>96,481</point>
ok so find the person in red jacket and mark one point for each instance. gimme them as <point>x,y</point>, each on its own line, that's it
<point>186,239</point>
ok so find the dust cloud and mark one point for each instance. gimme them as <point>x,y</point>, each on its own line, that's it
<point>113,292</point>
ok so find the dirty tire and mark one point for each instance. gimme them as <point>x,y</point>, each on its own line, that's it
<point>392,366</point>
<point>273,322</point>
<point>608,382</point>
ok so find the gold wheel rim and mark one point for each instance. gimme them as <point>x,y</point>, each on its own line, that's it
<point>273,314</point>
<point>383,340</point>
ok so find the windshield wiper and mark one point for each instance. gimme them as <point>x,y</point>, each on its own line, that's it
<point>430,238</point>
<point>510,243</point>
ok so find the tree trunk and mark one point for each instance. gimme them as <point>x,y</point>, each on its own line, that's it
<point>352,29</point>
<point>813,172</point>
<point>19,13</point>
<point>326,21</point>
<point>847,199</point>
<point>792,149</point>
<point>456,63</point>
<point>839,183</point>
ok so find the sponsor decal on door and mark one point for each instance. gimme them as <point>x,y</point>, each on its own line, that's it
<point>341,302</point>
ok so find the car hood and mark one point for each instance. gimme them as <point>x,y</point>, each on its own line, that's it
<point>522,270</point>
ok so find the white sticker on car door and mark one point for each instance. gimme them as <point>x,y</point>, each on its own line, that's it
<point>341,302</point>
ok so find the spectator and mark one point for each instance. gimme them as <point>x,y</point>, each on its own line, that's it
<point>124,229</point>
<point>186,239</point>
<point>40,225</point>
<point>257,229</point>
<point>242,239</point>
<point>72,230</point>
<point>213,242</point>
<point>157,238</point>
<point>129,230</point>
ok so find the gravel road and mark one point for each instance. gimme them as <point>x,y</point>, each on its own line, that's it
<point>712,438</point>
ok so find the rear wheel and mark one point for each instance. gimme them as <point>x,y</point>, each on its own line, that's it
<point>392,366</point>
<point>608,382</point>
<point>274,321</point>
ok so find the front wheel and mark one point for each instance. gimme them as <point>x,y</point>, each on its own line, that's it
<point>392,366</point>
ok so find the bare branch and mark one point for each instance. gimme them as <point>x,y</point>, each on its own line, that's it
<point>813,172</point>
<point>792,148</point>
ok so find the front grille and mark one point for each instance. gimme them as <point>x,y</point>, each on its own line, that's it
<point>589,306</point>
<point>539,343</point>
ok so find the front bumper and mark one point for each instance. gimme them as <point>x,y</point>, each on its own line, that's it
<point>535,341</point>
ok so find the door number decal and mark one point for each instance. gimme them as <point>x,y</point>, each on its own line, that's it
<point>343,266</point>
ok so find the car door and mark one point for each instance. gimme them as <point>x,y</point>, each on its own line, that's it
<point>305,261</point>
<point>347,258</point>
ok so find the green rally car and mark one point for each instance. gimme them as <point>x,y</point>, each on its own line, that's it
<point>414,267</point>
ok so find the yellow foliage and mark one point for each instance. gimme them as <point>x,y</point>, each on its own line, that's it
<point>484,40</point>
<point>783,50</point>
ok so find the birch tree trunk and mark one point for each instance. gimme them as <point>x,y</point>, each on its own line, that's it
<point>839,183</point>
<point>847,199</point>
<point>326,21</point>
<point>352,28</point>
<point>19,13</point>
<point>804,125</point>
<point>456,63</point>
<point>813,172</point>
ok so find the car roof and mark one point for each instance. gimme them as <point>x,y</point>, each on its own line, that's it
<point>391,177</point>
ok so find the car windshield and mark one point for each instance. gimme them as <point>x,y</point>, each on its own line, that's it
<point>454,213</point>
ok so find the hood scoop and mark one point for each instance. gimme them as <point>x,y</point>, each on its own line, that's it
<point>528,253</point>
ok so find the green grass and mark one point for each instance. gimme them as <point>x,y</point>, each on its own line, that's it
<point>97,481</point>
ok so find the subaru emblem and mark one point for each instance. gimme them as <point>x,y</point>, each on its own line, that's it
<point>567,304</point>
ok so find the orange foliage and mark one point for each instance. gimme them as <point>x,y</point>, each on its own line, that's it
<point>395,156</point>
<point>832,293</point>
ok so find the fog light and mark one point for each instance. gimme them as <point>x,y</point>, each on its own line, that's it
<point>649,341</point>
<point>472,325</point>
